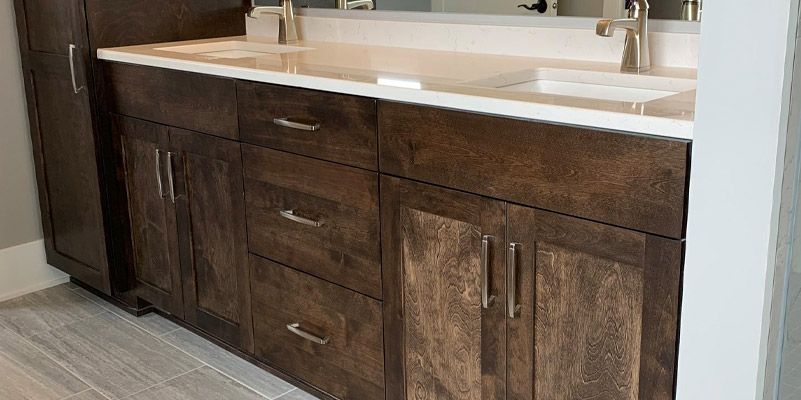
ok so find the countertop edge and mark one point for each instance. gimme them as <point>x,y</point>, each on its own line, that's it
<point>594,119</point>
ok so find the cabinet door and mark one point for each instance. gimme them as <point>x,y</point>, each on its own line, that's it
<point>598,310</point>
<point>212,236</point>
<point>441,343</point>
<point>63,138</point>
<point>154,240</point>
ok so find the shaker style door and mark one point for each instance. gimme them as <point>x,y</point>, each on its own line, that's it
<point>598,310</point>
<point>151,211</point>
<point>55,50</point>
<point>210,205</point>
<point>443,271</point>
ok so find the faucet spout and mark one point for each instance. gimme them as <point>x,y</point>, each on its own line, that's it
<point>287,29</point>
<point>636,51</point>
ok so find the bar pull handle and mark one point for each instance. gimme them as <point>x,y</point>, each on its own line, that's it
<point>290,215</point>
<point>487,299</point>
<point>171,177</point>
<point>512,307</point>
<point>75,87</point>
<point>295,328</point>
<point>158,174</point>
<point>298,123</point>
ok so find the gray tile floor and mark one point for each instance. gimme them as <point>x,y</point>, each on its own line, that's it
<point>66,343</point>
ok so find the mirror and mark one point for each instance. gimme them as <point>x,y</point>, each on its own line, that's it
<point>688,10</point>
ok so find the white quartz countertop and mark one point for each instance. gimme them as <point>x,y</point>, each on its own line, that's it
<point>435,78</point>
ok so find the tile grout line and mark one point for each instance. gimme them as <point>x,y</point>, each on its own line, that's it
<point>161,338</point>
<point>161,383</point>
<point>286,393</point>
<point>64,367</point>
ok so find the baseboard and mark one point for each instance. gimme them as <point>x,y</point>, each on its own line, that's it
<point>24,269</point>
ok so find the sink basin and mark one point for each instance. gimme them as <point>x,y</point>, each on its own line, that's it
<point>234,49</point>
<point>588,84</point>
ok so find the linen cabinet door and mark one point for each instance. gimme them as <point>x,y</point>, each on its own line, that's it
<point>54,49</point>
<point>443,271</point>
<point>154,239</point>
<point>598,309</point>
<point>209,196</point>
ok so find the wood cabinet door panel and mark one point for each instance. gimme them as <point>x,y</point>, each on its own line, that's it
<point>212,235</point>
<point>440,342</point>
<point>154,236</point>
<point>599,310</point>
<point>67,171</point>
<point>48,26</point>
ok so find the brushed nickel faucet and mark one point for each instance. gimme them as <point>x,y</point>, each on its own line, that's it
<point>287,30</point>
<point>636,52</point>
<point>350,5</point>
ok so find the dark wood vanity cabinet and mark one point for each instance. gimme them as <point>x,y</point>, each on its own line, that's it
<point>188,236</point>
<point>477,257</point>
<point>78,195</point>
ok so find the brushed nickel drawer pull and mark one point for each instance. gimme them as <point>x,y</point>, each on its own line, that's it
<point>75,87</point>
<point>298,123</point>
<point>486,299</point>
<point>158,174</point>
<point>170,177</point>
<point>295,328</point>
<point>512,307</point>
<point>290,215</point>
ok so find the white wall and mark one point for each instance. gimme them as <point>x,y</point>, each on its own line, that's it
<point>738,154</point>
<point>19,214</point>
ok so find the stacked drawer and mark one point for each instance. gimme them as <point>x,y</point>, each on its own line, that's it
<point>313,231</point>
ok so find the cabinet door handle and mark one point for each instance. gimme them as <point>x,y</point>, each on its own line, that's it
<point>75,87</point>
<point>158,174</point>
<point>295,123</point>
<point>290,215</point>
<point>295,328</point>
<point>486,298</point>
<point>512,307</point>
<point>170,176</point>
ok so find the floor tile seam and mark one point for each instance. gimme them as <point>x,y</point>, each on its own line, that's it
<point>69,370</point>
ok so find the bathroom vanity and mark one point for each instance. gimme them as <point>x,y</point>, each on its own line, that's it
<point>391,240</point>
<point>369,222</point>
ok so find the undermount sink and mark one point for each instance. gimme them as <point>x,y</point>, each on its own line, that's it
<point>234,49</point>
<point>588,84</point>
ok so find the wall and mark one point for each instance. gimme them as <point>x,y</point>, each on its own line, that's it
<point>735,191</point>
<point>19,214</point>
<point>23,267</point>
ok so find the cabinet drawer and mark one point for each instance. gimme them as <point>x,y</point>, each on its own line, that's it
<point>350,365</point>
<point>630,181</point>
<point>345,126</point>
<point>186,100</point>
<point>316,216</point>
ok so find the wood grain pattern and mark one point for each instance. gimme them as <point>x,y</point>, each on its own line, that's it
<point>351,364</point>
<point>50,26</point>
<point>154,235</point>
<point>599,310</point>
<point>625,180</point>
<point>198,102</point>
<point>345,249</point>
<point>442,306</point>
<point>347,132</point>
<point>439,342</point>
<point>212,235</point>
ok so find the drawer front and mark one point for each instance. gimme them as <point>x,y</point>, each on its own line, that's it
<point>630,181</point>
<point>186,100</point>
<point>350,365</point>
<point>315,216</point>
<point>345,125</point>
